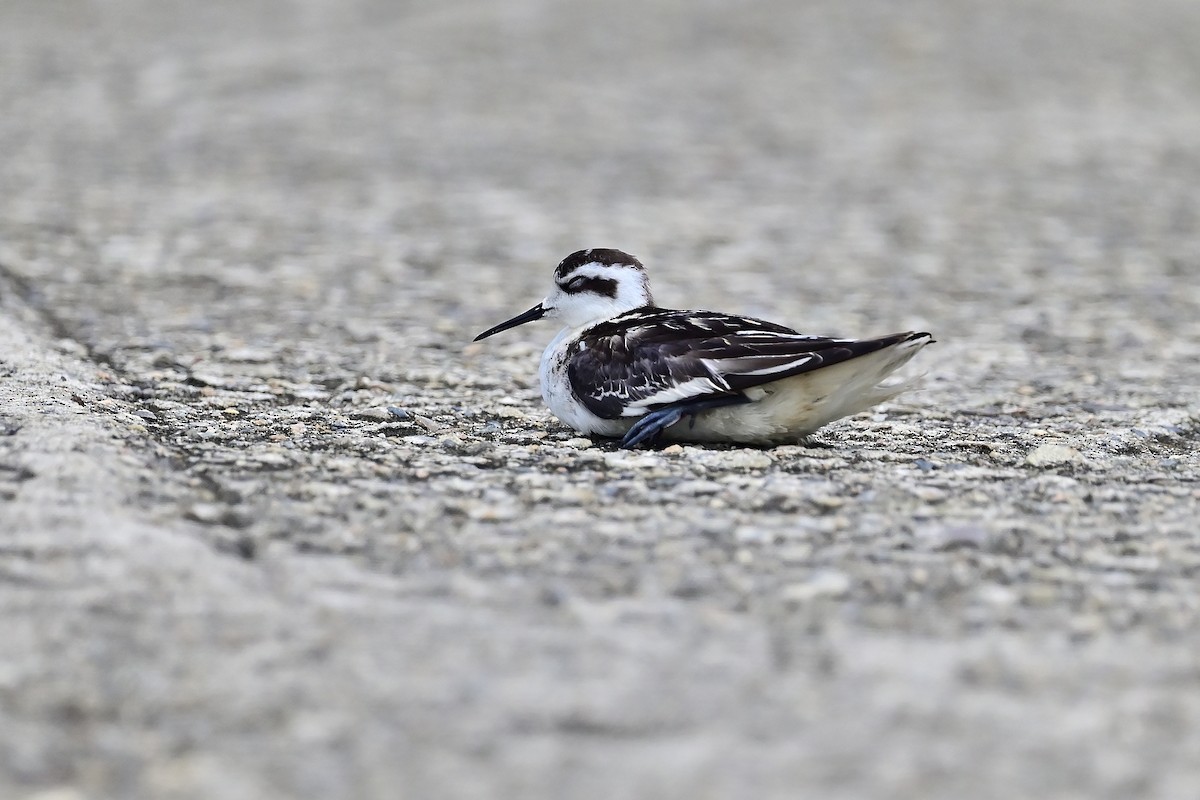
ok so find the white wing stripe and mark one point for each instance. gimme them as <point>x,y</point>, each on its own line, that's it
<point>680,391</point>
<point>776,368</point>
<point>737,366</point>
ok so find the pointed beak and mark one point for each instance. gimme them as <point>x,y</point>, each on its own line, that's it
<point>537,312</point>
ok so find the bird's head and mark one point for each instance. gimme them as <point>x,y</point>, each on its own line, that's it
<point>590,286</point>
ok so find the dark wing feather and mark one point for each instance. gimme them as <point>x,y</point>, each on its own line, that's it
<point>651,358</point>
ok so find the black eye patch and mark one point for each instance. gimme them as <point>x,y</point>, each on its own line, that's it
<point>605,287</point>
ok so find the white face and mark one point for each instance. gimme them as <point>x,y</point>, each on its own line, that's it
<point>595,291</point>
<point>589,286</point>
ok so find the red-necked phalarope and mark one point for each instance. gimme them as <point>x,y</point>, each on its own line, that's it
<point>624,367</point>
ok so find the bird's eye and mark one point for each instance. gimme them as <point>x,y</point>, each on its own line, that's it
<point>576,284</point>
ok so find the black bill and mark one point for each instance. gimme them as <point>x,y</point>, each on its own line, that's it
<point>537,312</point>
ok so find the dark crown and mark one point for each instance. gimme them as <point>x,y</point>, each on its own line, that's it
<point>598,255</point>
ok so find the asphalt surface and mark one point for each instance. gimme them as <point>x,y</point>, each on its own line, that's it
<point>232,235</point>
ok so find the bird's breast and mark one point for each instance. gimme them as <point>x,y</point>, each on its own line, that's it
<point>560,397</point>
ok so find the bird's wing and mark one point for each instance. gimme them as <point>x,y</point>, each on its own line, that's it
<point>651,358</point>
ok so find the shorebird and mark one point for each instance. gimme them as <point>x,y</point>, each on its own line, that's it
<point>623,367</point>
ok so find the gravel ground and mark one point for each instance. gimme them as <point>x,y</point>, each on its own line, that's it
<point>232,235</point>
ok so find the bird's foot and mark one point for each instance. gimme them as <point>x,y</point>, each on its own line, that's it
<point>651,426</point>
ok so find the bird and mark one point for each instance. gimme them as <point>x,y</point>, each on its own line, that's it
<point>622,367</point>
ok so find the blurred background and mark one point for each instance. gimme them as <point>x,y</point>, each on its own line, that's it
<point>849,168</point>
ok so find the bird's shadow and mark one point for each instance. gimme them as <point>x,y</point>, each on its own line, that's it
<point>658,445</point>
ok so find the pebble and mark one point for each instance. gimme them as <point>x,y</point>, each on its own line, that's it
<point>206,513</point>
<point>71,347</point>
<point>425,422</point>
<point>418,440</point>
<point>745,459</point>
<point>626,460</point>
<point>930,494</point>
<point>208,379</point>
<point>828,502</point>
<point>1050,455</point>
<point>827,583</point>
<point>997,596</point>
<point>272,459</point>
<point>249,355</point>
<point>946,537</point>
<point>495,513</point>
<point>377,414</point>
<point>751,534</point>
<point>697,487</point>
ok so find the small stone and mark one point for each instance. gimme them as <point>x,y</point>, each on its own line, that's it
<point>377,414</point>
<point>426,423</point>
<point>205,513</point>
<point>930,494</point>
<point>477,449</point>
<point>494,513</point>
<point>991,594</point>
<point>949,537</point>
<point>578,443</point>
<point>1041,595</point>
<point>399,413</point>
<point>71,347</point>
<point>828,502</point>
<point>200,432</point>
<point>828,583</point>
<point>249,355</point>
<point>1050,455</point>
<point>419,441</point>
<point>975,444</point>
<point>207,379</point>
<point>271,459</point>
<point>750,534</point>
<point>455,444</point>
<point>576,496</point>
<point>746,459</point>
<point>697,487</point>
<point>627,460</point>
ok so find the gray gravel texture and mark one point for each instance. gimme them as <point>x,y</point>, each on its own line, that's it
<point>232,234</point>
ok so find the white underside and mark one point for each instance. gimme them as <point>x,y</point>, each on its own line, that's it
<point>780,412</point>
